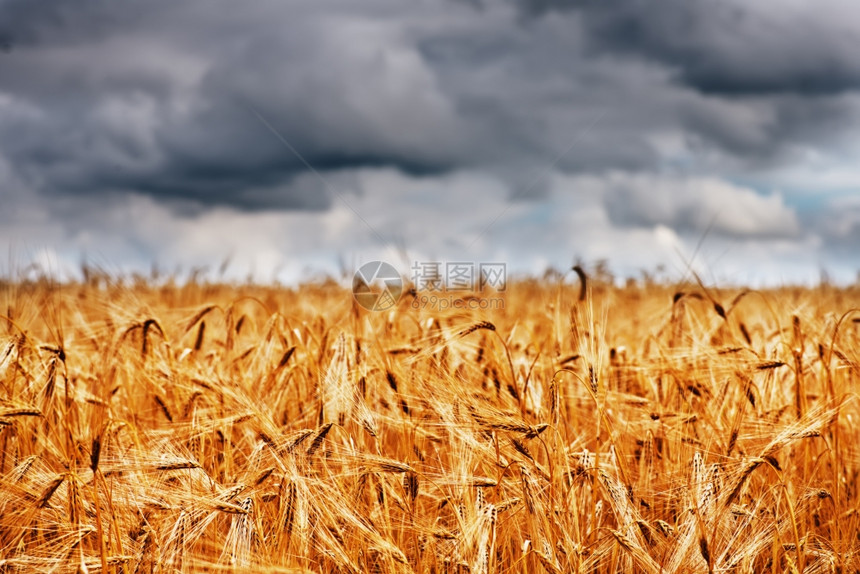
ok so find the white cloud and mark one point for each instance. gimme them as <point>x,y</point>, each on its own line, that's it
<point>697,204</point>
<point>462,215</point>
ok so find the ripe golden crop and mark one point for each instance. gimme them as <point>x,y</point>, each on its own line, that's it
<point>213,428</point>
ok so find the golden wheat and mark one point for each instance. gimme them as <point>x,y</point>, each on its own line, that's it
<point>214,428</point>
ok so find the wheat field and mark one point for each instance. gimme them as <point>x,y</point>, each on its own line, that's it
<point>150,428</point>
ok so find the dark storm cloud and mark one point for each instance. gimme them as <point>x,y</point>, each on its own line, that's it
<point>28,23</point>
<point>727,47</point>
<point>159,97</point>
<point>766,132</point>
<point>153,106</point>
<point>536,99</point>
<point>110,98</point>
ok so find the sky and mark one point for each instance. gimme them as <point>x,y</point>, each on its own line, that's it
<point>283,140</point>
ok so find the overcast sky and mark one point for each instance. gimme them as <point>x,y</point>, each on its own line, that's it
<point>299,137</point>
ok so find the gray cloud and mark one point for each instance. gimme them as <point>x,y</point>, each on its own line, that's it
<point>698,206</point>
<point>838,226</point>
<point>151,106</point>
<point>103,102</point>
<point>110,97</point>
<point>731,48</point>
